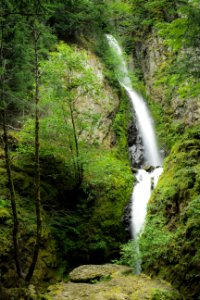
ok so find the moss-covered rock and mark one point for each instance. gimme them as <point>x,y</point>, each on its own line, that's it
<point>89,273</point>
<point>117,283</point>
<point>170,242</point>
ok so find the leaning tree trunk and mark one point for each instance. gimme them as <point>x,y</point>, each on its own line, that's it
<point>8,167</point>
<point>37,165</point>
<point>13,199</point>
<point>79,167</point>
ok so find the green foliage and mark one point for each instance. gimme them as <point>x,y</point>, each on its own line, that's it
<point>71,18</point>
<point>111,182</point>
<point>129,254</point>
<point>183,32</point>
<point>164,10</point>
<point>120,15</point>
<point>103,165</point>
<point>170,242</point>
<point>4,210</point>
<point>79,218</point>
<point>177,77</point>
<point>67,82</point>
<point>163,294</point>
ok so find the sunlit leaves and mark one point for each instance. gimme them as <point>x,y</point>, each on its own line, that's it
<point>174,33</point>
<point>67,82</point>
<point>130,255</point>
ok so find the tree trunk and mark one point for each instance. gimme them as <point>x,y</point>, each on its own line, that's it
<point>78,164</point>
<point>11,188</point>
<point>37,165</point>
<point>13,199</point>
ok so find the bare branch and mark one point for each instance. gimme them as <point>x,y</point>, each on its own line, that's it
<point>10,126</point>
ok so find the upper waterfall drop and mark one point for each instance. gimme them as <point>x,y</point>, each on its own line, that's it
<point>121,67</point>
<point>146,128</point>
<point>144,120</point>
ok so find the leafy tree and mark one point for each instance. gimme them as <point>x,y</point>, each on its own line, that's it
<point>71,18</point>
<point>12,89</point>
<point>164,10</point>
<point>67,80</point>
<point>38,205</point>
<point>17,54</point>
<point>7,160</point>
<point>17,77</point>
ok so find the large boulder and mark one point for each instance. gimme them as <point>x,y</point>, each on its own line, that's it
<point>89,273</point>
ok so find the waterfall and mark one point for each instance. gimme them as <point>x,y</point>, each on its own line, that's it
<point>145,181</point>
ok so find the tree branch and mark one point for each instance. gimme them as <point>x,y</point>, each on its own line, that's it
<point>24,14</point>
<point>11,127</point>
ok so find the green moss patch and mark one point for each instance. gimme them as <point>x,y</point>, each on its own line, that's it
<point>170,242</point>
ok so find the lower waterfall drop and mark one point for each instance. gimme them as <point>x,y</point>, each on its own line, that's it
<point>145,181</point>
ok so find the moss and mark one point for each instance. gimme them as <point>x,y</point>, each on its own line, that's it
<point>170,243</point>
<point>118,286</point>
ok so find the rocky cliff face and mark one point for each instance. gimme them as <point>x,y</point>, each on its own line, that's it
<point>102,105</point>
<point>155,57</point>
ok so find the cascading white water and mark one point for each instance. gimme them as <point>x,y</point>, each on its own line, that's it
<point>141,193</point>
<point>146,181</point>
<point>142,114</point>
<point>146,128</point>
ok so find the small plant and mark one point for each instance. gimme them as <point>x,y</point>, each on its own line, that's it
<point>163,294</point>
<point>130,255</point>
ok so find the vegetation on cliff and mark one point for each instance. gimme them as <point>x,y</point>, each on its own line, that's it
<point>170,242</point>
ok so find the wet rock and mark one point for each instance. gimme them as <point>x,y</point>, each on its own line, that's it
<point>134,170</point>
<point>127,218</point>
<point>136,155</point>
<point>132,134</point>
<point>148,168</point>
<point>136,148</point>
